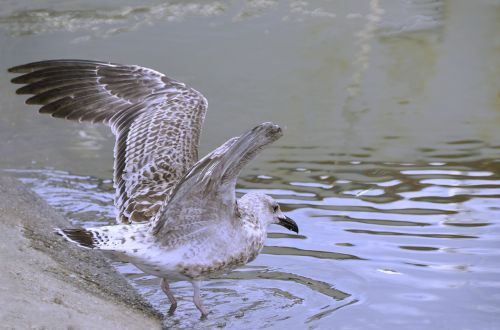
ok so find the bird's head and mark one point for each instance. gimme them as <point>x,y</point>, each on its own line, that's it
<point>267,211</point>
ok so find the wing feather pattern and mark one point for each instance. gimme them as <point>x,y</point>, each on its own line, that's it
<point>206,194</point>
<point>157,122</point>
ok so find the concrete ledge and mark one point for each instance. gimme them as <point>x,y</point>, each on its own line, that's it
<point>47,283</point>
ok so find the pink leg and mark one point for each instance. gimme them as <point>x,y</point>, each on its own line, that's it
<point>197,299</point>
<point>166,288</point>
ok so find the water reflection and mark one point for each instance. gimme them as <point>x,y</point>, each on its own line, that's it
<point>118,19</point>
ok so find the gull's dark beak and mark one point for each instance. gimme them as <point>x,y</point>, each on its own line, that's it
<point>288,224</point>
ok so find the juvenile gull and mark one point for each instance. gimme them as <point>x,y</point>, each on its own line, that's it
<point>178,217</point>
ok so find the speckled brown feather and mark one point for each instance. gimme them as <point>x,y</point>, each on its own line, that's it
<point>157,122</point>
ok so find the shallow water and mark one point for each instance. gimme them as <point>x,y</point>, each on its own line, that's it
<point>389,162</point>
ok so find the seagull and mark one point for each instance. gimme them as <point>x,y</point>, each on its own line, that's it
<point>178,217</point>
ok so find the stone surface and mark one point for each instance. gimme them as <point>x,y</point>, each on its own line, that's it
<point>47,283</point>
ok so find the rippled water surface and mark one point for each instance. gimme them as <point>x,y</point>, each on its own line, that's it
<point>390,160</point>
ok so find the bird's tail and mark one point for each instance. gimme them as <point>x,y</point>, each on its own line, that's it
<point>87,238</point>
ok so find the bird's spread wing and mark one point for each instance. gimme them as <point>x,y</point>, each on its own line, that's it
<point>206,194</point>
<point>157,122</point>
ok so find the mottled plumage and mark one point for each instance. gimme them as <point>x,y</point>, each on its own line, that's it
<point>156,120</point>
<point>179,218</point>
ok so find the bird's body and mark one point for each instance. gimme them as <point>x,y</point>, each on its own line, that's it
<point>178,217</point>
<point>215,250</point>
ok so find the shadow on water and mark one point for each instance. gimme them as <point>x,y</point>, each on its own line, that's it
<point>321,287</point>
<point>280,250</point>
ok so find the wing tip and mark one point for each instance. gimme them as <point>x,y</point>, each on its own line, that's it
<point>14,69</point>
<point>269,130</point>
<point>18,79</point>
<point>27,67</point>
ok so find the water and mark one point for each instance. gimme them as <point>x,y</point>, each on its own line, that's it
<point>389,162</point>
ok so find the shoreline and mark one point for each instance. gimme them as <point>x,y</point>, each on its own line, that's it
<point>48,283</point>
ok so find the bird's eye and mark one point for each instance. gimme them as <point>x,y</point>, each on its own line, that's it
<point>275,208</point>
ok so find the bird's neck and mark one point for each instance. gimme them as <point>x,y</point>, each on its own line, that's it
<point>249,219</point>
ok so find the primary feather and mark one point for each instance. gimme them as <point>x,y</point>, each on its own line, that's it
<point>157,122</point>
